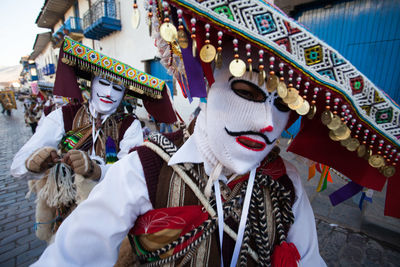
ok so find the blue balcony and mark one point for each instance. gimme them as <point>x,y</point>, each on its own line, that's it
<point>71,27</point>
<point>49,69</point>
<point>101,19</point>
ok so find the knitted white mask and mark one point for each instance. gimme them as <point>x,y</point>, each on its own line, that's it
<point>240,124</point>
<point>106,96</point>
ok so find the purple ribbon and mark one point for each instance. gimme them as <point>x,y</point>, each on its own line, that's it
<point>345,193</point>
<point>194,73</point>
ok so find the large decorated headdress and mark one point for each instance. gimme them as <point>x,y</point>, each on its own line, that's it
<point>78,60</point>
<point>351,125</point>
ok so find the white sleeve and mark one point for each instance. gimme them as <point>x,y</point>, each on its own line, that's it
<point>303,232</point>
<point>133,137</point>
<point>49,133</point>
<point>92,233</point>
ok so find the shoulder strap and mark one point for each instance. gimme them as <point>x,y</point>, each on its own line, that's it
<point>163,143</point>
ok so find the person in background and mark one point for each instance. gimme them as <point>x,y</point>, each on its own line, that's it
<point>145,129</point>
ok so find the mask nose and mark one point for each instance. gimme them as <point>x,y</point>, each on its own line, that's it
<point>269,126</point>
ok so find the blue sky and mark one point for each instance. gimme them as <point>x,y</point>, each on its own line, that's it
<point>18,29</point>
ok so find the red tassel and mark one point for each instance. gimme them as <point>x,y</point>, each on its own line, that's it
<point>285,255</point>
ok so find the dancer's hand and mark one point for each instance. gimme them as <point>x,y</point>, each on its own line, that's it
<point>81,163</point>
<point>42,159</point>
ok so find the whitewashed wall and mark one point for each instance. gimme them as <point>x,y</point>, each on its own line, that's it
<point>46,57</point>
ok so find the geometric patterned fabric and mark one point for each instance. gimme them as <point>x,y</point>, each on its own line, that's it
<point>89,59</point>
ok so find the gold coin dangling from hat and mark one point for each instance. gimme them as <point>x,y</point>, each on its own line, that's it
<point>333,136</point>
<point>335,123</point>
<point>388,171</point>
<point>272,83</point>
<point>291,96</point>
<point>353,144</point>
<point>207,53</point>
<point>311,112</point>
<point>326,117</point>
<point>345,142</point>
<point>345,135</point>
<point>296,104</point>
<point>376,161</point>
<point>304,109</point>
<point>182,39</point>
<point>282,90</point>
<point>339,131</point>
<point>237,67</point>
<point>168,32</point>
<point>361,151</point>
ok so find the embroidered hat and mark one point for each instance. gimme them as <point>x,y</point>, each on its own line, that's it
<point>78,60</point>
<point>350,125</point>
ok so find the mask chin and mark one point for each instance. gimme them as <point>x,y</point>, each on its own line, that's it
<point>103,108</point>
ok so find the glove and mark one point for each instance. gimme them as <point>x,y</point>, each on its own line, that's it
<point>82,164</point>
<point>41,160</point>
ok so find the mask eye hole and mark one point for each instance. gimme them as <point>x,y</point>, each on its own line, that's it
<point>117,88</point>
<point>248,90</point>
<point>280,105</point>
<point>104,82</point>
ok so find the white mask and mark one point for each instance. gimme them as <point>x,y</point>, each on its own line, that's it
<point>240,124</point>
<point>106,96</point>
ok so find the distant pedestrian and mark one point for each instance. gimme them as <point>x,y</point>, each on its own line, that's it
<point>146,130</point>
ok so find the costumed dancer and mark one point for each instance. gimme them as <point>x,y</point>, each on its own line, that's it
<point>33,113</point>
<point>81,140</point>
<point>225,196</point>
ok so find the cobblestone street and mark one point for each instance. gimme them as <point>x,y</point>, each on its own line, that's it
<point>339,246</point>
<point>18,243</point>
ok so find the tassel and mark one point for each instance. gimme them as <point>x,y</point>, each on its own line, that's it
<point>322,185</point>
<point>311,171</point>
<point>329,177</point>
<point>285,255</point>
<point>111,151</point>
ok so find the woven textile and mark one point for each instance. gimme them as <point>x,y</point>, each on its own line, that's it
<point>133,79</point>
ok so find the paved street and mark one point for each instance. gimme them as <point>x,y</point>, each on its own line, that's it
<point>18,243</point>
<point>342,240</point>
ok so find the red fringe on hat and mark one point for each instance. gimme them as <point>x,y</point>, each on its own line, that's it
<point>285,255</point>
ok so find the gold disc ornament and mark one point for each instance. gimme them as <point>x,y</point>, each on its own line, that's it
<point>353,144</point>
<point>326,117</point>
<point>296,104</point>
<point>207,53</point>
<point>335,123</point>
<point>218,60</point>
<point>345,135</point>
<point>272,83</point>
<point>311,112</point>
<point>237,67</point>
<point>376,161</point>
<point>291,96</point>
<point>388,171</point>
<point>333,136</point>
<point>282,90</point>
<point>341,130</point>
<point>345,142</point>
<point>182,39</point>
<point>304,108</point>
<point>261,77</point>
<point>168,32</point>
<point>361,151</point>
